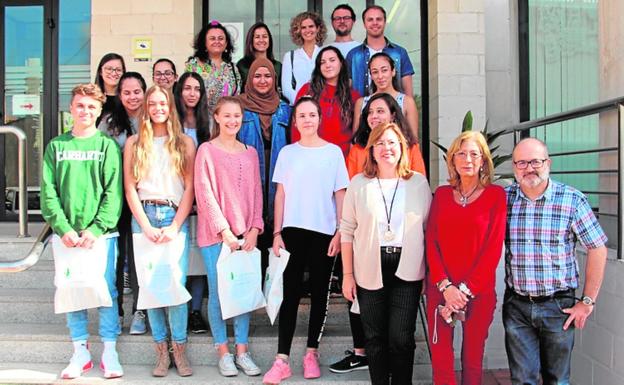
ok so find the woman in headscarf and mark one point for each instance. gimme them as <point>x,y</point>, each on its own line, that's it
<point>265,121</point>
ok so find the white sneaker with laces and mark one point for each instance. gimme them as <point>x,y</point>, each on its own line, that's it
<point>227,368</point>
<point>245,363</point>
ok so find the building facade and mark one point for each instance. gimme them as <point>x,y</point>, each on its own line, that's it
<point>507,61</point>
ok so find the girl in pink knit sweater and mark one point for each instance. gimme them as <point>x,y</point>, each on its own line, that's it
<point>229,205</point>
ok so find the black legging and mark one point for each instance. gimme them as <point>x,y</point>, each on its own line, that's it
<point>126,248</point>
<point>389,321</point>
<point>309,248</point>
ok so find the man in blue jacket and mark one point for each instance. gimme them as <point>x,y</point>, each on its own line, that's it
<point>374,18</point>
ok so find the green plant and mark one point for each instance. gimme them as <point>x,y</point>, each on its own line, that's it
<point>490,137</point>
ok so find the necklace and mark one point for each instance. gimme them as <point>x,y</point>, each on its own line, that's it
<point>463,200</point>
<point>388,234</point>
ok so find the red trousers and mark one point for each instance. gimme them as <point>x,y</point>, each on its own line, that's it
<point>479,315</point>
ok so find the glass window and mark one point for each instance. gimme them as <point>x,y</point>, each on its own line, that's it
<point>277,15</point>
<point>564,74</point>
<point>74,52</point>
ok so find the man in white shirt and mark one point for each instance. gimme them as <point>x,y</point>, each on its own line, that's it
<point>342,19</point>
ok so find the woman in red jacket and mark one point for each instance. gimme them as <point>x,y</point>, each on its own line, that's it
<point>464,242</point>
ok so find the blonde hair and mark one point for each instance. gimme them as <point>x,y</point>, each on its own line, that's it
<point>486,172</point>
<point>295,28</point>
<point>142,147</point>
<point>371,169</point>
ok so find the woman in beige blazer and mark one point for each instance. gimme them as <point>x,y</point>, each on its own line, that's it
<point>383,219</point>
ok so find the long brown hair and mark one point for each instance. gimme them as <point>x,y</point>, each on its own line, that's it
<point>371,169</point>
<point>142,148</point>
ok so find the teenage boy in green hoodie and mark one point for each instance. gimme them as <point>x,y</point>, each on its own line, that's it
<point>81,198</point>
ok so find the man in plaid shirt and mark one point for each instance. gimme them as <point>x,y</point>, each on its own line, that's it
<point>545,218</point>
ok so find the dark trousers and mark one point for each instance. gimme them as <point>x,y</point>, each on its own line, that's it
<point>535,340</point>
<point>307,248</point>
<point>357,330</point>
<point>126,249</point>
<point>389,322</point>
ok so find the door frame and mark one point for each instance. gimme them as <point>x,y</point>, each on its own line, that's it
<point>49,106</point>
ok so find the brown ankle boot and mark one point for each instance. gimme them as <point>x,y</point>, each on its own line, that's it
<point>180,360</point>
<point>162,360</point>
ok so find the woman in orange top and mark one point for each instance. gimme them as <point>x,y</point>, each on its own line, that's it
<point>382,108</point>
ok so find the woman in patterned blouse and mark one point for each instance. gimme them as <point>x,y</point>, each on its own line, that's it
<point>212,60</point>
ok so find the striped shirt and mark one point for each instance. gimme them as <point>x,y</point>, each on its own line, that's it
<point>541,237</point>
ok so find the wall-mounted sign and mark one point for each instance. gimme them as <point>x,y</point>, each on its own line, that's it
<point>142,48</point>
<point>26,104</point>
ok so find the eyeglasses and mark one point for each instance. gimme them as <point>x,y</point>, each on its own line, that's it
<point>535,163</point>
<point>342,18</point>
<point>166,74</point>
<point>113,70</point>
<point>464,155</point>
<point>388,143</point>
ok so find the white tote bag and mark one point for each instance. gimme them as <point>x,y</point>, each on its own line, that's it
<point>158,272</point>
<point>274,282</point>
<point>79,276</point>
<point>239,281</point>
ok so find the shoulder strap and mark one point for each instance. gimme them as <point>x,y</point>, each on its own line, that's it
<point>293,81</point>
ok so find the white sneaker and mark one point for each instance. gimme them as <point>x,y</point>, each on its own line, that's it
<point>227,368</point>
<point>246,364</point>
<point>110,361</point>
<point>79,363</point>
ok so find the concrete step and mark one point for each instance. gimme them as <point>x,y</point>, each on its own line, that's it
<point>36,343</point>
<point>28,373</point>
<point>40,276</point>
<point>37,306</point>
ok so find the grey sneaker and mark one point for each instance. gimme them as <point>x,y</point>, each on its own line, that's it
<point>138,325</point>
<point>226,366</point>
<point>246,364</point>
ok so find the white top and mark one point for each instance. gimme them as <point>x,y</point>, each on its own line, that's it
<point>310,176</point>
<point>303,68</point>
<point>397,222</point>
<point>192,132</point>
<point>345,46</point>
<point>161,181</point>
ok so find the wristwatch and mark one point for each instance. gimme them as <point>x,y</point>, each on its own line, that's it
<point>587,300</point>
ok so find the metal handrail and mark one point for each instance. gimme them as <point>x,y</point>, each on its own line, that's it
<point>616,104</point>
<point>21,177</point>
<point>33,255</point>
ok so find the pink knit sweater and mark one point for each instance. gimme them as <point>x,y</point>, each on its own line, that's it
<point>227,191</point>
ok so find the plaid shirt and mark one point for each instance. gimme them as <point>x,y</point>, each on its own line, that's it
<point>541,236</point>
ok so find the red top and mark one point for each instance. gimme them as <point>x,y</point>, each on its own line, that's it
<point>332,128</point>
<point>464,244</point>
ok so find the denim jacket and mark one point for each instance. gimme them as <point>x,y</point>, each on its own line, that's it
<point>357,62</point>
<point>251,134</point>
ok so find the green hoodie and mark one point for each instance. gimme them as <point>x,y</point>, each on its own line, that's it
<point>81,186</point>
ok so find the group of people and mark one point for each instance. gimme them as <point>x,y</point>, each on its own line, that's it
<point>318,156</point>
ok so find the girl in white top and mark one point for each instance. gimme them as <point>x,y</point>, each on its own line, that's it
<point>307,31</point>
<point>311,178</point>
<point>158,180</point>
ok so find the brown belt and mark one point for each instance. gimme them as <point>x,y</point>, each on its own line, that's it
<point>160,202</point>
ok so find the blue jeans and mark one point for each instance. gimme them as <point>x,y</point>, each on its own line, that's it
<point>536,342</point>
<point>161,216</point>
<point>109,316</point>
<point>217,324</point>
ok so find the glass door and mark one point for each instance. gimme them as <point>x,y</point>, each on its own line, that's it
<point>22,72</point>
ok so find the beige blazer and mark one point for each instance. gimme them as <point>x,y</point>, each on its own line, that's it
<point>359,225</point>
